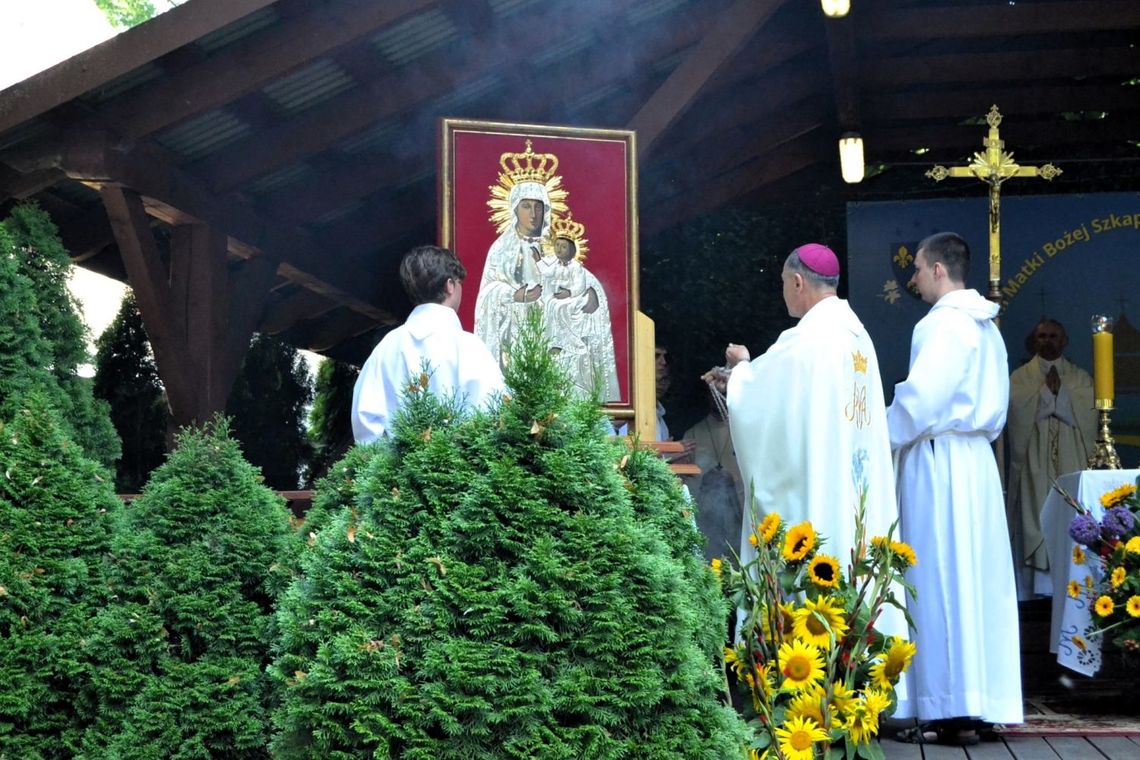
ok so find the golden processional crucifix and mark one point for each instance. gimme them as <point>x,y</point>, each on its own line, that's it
<point>994,166</point>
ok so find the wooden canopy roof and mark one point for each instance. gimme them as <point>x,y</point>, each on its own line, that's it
<point>282,153</point>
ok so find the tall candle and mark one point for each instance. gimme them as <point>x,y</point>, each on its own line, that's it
<point>1102,361</point>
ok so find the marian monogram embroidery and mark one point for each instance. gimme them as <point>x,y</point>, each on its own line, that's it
<point>856,409</point>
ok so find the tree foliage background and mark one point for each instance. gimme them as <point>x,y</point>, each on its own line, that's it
<point>330,418</point>
<point>268,405</point>
<point>126,377</point>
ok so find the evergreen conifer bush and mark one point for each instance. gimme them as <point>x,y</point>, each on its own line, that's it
<point>508,585</point>
<point>56,513</point>
<point>199,561</point>
<point>32,242</point>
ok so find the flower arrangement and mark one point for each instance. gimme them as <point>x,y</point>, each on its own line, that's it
<point>1110,549</point>
<point>817,673</point>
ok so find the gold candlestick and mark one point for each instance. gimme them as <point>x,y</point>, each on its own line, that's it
<point>1104,455</point>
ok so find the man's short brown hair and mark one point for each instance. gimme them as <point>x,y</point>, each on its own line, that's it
<point>425,270</point>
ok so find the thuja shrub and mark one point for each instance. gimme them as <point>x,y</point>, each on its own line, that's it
<point>198,563</point>
<point>505,585</point>
<point>56,510</point>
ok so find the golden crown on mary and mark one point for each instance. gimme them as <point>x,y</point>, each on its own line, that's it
<point>528,166</point>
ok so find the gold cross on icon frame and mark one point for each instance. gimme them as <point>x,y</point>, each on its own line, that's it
<point>994,166</point>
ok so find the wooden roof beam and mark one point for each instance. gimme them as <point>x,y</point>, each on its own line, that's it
<point>676,95</point>
<point>844,71</point>
<point>405,91</point>
<point>96,159</point>
<point>1013,101</point>
<point>746,178</point>
<point>249,65</point>
<point>1000,67</point>
<point>285,312</point>
<point>119,55</point>
<point>1002,19</point>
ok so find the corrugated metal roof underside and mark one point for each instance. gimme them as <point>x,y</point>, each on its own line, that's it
<point>469,92</point>
<point>504,8</point>
<point>370,140</point>
<point>204,135</point>
<point>564,47</point>
<point>309,86</point>
<point>278,180</point>
<point>415,37</point>
<point>238,30</point>
<point>125,83</point>
<point>650,9</point>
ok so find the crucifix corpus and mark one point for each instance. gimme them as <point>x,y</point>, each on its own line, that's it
<point>994,166</point>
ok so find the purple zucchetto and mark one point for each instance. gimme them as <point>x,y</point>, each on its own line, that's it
<point>819,259</point>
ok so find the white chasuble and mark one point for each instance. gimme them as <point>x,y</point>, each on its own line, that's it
<point>1049,435</point>
<point>809,427</point>
<point>942,421</point>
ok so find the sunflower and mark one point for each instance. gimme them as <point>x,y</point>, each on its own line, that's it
<point>905,553</point>
<point>752,539</point>
<point>797,738</point>
<point>799,542</point>
<point>885,672</point>
<point>1074,589</point>
<point>756,754</point>
<point>1104,606</point>
<point>716,565</point>
<point>1117,495</point>
<point>809,627</point>
<point>1078,555</point>
<point>768,526</point>
<point>1133,545</point>
<point>824,571</point>
<point>1080,642</point>
<point>1088,582</point>
<point>1133,606</point>
<point>802,664</point>
<point>863,724</point>
<point>732,660</point>
<point>1119,575</point>
<point>841,697</point>
<point>809,704</point>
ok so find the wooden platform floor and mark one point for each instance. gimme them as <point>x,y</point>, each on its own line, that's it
<point>1023,748</point>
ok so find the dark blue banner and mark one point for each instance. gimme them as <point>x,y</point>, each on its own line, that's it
<point>1063,256</point>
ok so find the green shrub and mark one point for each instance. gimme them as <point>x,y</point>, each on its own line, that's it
<point>198,565</point>
<point>56,512</point>
<point>508,585</point>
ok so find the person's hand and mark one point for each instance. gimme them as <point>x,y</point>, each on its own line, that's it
<point>717,377</point>
<point>533,293</point>
<point>735,354</point>
<point>562,293</point>
<point>1053,380</point>
<point>520,294</point>
<point>688,453</point>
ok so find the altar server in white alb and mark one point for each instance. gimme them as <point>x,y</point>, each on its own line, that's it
<point>808,420</point>
<point>459,362</point>
<point>942,421</point>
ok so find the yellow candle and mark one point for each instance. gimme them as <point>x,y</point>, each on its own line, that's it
<point>1102,366</point>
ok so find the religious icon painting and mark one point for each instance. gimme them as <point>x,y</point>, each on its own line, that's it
<point>544,219</point>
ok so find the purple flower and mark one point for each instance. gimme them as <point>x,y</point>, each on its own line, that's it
<point>1117,521</point>
<point>1084,530</point>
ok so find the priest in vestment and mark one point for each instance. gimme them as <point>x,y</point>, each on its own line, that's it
<point>942,421</point>
<point>808,420</point>
<point>1052,431</point>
